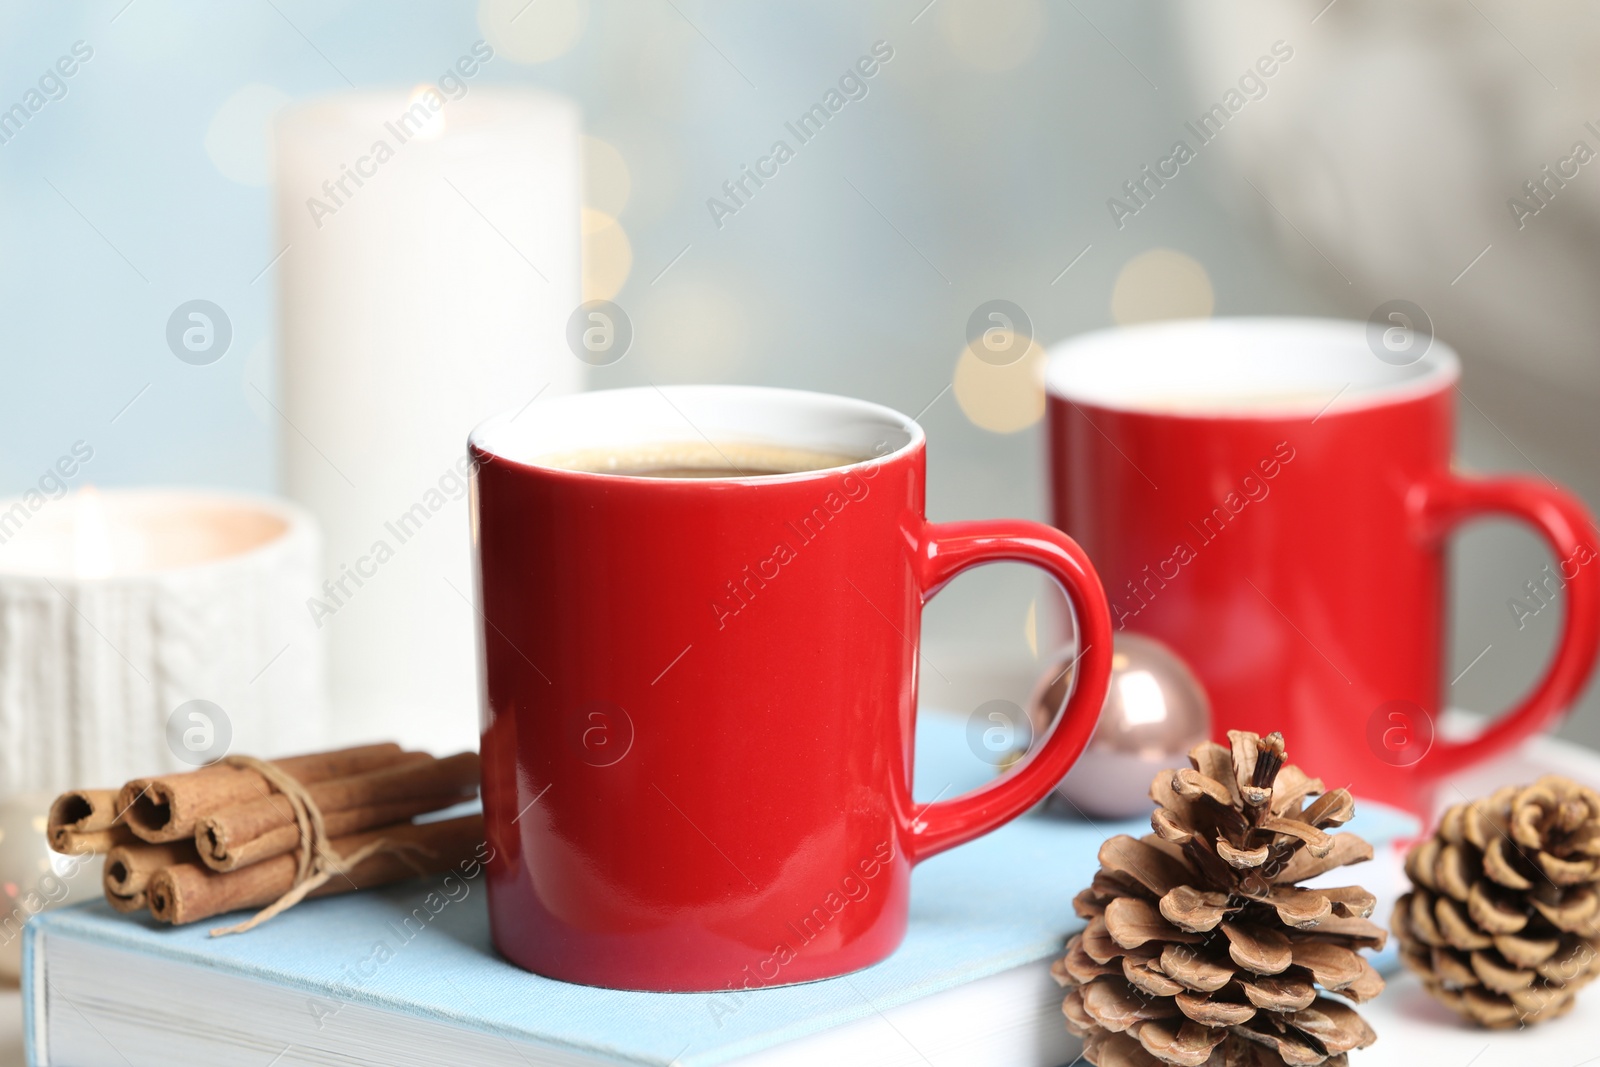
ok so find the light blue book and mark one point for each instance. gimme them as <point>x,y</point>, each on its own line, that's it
<point>395,976</point>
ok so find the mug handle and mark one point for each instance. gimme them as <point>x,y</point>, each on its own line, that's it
<point>947,549</point>
<point>1568,528</point>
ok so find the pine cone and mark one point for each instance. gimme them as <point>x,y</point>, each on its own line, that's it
<point>1200,948</point>
<point>1503,922</point>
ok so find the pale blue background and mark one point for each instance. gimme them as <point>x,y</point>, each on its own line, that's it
<point>998,178</point>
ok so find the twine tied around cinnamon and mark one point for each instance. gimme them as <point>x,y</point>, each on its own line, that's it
<point>317,862</point>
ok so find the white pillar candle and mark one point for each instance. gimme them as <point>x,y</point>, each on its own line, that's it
<point>116,608</point>
<point>431,264</point>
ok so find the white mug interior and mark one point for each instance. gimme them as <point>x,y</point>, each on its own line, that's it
<point>621,419</point>
<point>1249,367</point>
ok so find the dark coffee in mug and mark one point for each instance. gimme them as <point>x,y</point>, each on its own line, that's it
<point>699,459</point>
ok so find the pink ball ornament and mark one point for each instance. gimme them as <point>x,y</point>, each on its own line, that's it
<point>1155,711</point>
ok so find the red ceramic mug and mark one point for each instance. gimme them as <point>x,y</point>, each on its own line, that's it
<point>1272,498</point>
<point>700,693</point>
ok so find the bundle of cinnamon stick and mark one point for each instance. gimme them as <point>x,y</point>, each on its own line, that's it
<point>191,845</point>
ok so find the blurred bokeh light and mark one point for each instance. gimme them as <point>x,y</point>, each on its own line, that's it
<point>979,160</point>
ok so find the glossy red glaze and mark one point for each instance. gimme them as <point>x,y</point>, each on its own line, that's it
<point>700,705</point>
<point>1298,564</point>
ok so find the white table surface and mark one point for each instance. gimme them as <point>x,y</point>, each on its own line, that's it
<point>1413,1030</point>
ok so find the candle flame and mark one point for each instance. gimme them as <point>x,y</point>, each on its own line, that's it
<point>432,127</point>
<point>91,555</point>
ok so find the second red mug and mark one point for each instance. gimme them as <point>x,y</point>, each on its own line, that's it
<point>1272,498</point>
<point>700,692</point>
